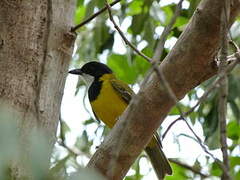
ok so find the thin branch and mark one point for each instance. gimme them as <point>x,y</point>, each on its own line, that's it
<point>170,126</point>
<point>186,166</point>
<point>234,45</point>
<point>127,42</point>
<point>236,60</point>
<point>187,136</point>
<point>73,151</point>
<point>213,86</point>
<point>62,142</point>
<point>158,53</point>
<point>73,29</point>
<point>223,90</point>
<point>165,33</point>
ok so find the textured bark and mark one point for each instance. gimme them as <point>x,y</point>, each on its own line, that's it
<point>190,62</point>
<point>34,56</point>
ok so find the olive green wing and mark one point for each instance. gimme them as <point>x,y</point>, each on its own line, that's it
<point>122,89</point>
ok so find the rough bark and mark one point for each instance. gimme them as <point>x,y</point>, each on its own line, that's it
<point>34,56</point>
<point>190,62</point>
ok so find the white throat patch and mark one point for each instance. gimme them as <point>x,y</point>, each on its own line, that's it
<point>88,79</point>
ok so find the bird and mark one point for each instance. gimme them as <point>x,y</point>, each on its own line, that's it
<point>109,97</point>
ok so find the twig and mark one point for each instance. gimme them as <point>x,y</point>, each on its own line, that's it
<point>127,42</point>
<point>201,99</point>
<point>223,90</point>
<point>74,151</point>
<point>158,53</point>
<point>186,166</point>
<point>188,136</point>
<point>234,45</point>
<point>161,44</point>
<point>170,126</point>
<point>236,60</point>
<point>73,29</point>
<point>165,33</point>
<point>62,142</point>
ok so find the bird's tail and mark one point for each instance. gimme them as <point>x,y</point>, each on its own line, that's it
<point>158,159</point>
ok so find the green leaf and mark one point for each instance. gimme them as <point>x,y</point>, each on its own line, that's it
<point>122,68</point>
<point>89,121</point>
<point>149,31</point>
<point>215,170</point>
<point>237,176</point>
<point>168,13</point>
<point>90,8</point>
<point>135,7</point>
<point>235,109</point>
<point>138,22</point>
<point>180,173</point>
<point>80,2</point>
<point>233,130</point>
<point>141,65</point>
<point>101,3</point>
<point>210,124</point>
<point>213,141</point>
<point>57,168</point>
<point>234,161</point>
<point>233,88</point>
<point>176,32</point>
<point>64,127</point>
<point>79,14</point>
<point>83,143</point>
<point>192,7</point>
<point>181,21</point>
<point>101,37</point>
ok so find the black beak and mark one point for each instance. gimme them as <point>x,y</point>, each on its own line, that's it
<point>76,71</point>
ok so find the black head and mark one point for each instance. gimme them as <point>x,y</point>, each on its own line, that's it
<point>93,68</point>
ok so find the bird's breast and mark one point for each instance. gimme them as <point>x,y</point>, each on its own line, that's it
<point>108,105</point>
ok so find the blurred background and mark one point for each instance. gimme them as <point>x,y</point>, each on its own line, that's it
<point>79,134</point>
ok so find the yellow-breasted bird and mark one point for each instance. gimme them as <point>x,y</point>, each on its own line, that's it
<point>109,97</point>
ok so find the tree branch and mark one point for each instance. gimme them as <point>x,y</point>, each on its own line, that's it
<point>73,29</point>
<point>190,62</point>
<point>186,166</point>
<point>160,45</point>
<point>123,37</point>
<point>223,89</point>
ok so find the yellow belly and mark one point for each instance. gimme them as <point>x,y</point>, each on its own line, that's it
<point>109,105</point>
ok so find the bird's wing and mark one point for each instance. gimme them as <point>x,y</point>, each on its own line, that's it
<point>122,89</point>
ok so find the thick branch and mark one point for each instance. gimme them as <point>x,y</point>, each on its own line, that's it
<point>190,62</point>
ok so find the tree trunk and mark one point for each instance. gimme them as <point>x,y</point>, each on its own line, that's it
<point>35,51</point>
